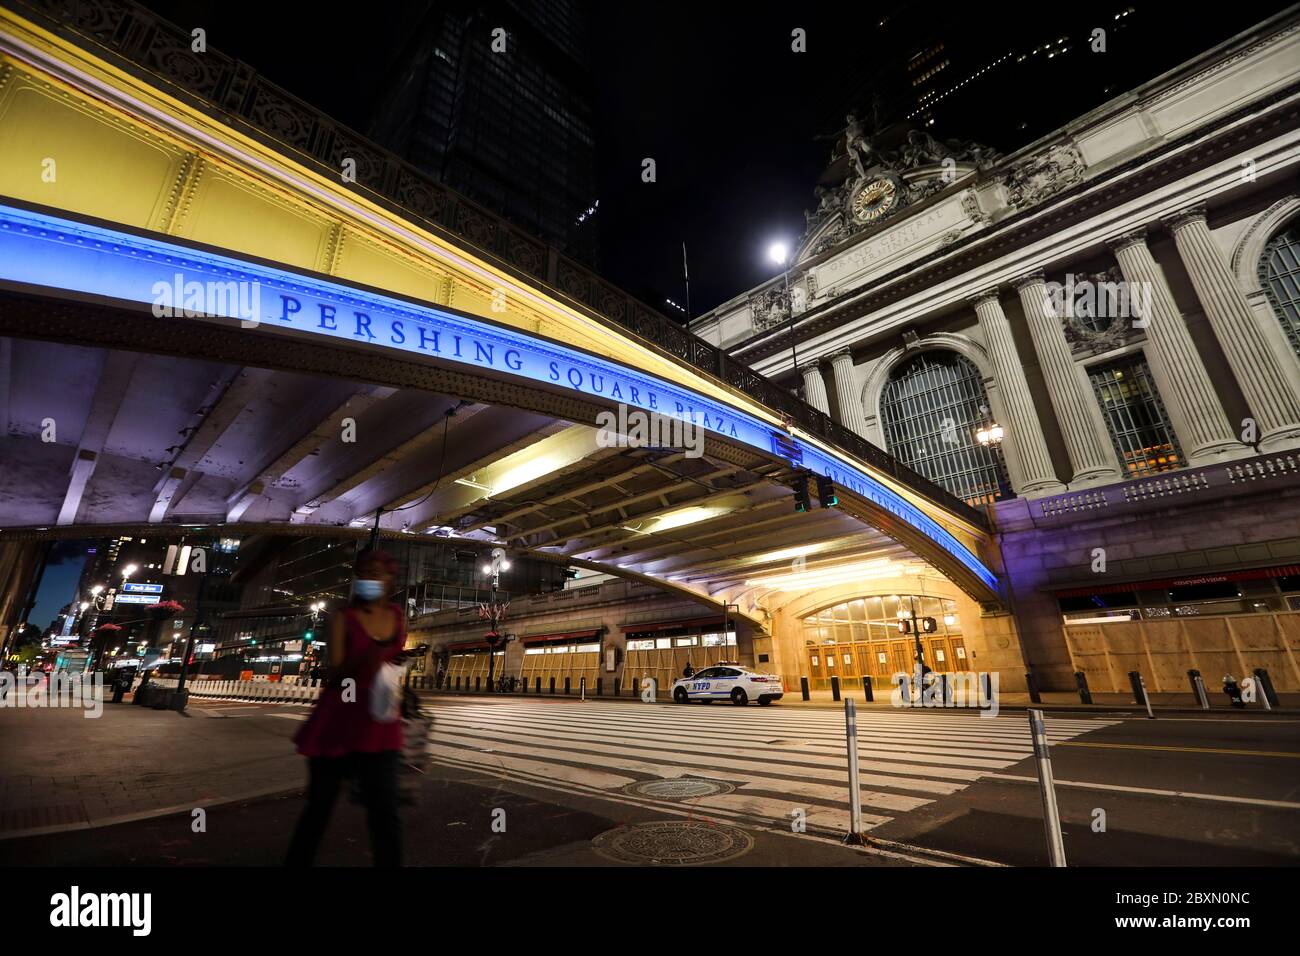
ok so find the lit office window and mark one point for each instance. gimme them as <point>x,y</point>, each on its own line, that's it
<point>931,408</point>
<point>1279,274</point>
<point>1136,418</point>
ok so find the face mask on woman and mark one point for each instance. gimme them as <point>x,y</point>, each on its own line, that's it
<point>368,590</point>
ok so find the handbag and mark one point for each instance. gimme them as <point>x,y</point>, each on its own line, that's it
<point>386,694</point>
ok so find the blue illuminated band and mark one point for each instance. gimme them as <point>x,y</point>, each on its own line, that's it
<point>61,254</point>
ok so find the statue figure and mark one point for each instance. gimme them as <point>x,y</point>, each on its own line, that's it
<point>862,154</point>
<point>922,149</point>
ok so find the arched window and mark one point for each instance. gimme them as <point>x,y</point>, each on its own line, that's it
<point>931,408</point>
<point>1279,274</point>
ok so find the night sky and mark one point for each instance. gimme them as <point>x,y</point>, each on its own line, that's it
<point>713,92</point>
<point>59,584</point>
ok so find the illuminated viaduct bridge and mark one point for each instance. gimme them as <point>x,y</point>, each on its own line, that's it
<point>341,321</point>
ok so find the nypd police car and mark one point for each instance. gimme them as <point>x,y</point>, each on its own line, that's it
<point>728,681</point>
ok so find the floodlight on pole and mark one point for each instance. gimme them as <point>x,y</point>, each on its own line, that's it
<point>779,252</point>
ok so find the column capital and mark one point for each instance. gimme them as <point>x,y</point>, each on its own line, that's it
<point>839,355</point>
<point>1029,278</point>
<point>812,365</point>
<point>1184,217</point>
<point>1131,238</point>
<point>983,296</point>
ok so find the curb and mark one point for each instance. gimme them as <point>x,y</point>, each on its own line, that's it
<point>1097,709</point>
<point>148,814</point>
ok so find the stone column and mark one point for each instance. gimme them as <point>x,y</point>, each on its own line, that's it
<point>1194,408</point>
<point>847,388</point>
<point>814,389</point>
<point>1266,370</point>
<point>1022,426</point>
<point>1092,455</point>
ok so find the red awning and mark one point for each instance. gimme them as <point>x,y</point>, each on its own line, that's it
<point>1211,577</point>
<point>690,622</point>
<point>560,636</point>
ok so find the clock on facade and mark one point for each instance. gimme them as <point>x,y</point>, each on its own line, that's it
<point>876,198</point>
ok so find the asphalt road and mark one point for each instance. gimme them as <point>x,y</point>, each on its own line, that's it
<point>1174,792</point>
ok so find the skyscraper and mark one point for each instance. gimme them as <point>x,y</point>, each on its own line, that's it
<point>494,99</point>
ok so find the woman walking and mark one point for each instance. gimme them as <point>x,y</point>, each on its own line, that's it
<point>343,737</point>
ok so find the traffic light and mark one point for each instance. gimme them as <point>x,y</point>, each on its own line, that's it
<point>801,500</point>
<point>929,625</point>
<point>826,492</point>
<point>310,635</point>
<point>904,626</point>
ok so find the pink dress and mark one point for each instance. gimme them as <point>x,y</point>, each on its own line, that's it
<point>339,727</point>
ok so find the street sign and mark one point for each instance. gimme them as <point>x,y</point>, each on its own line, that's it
<point>142,588</point>
<point>137,599</point>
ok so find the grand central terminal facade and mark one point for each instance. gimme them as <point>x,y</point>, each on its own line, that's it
<point>1094,341</point>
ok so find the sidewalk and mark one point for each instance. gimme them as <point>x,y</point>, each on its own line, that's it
<point>60,769</point>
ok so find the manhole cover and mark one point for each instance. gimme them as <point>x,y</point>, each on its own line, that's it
<point>674,843</point>
<point>679,789</point>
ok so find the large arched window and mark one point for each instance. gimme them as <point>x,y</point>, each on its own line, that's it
<point>1279,274</point>
<point>931,408</point>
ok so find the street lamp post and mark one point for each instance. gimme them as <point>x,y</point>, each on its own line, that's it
<point>495,613</point>
<point>779,253</point>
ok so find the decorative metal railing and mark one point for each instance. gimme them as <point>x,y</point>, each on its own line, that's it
<point>158,51</point>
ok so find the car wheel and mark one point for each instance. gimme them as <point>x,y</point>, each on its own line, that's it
<point>739,697</point>
<point>679,695</point>
<point>765,702</point>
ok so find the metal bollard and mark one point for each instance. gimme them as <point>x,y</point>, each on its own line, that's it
<point>1264,684</point>
<point>835,687</point>
<point>618,685</point>
<point>600,689</point>
<point>1081,682</point>
<point>1032,686</point>
<point>855,787</point>
<point>867,693</point>
<point>803,687</point>
<point>478,683</point>
<point>552,685</point>
<point>1140,692</point>
<point>1047,789</point>
<point>567,689</point>
<point>458,682</point>
<point>582,687</point>
<point>538,685</point>
<point>1198,689</point>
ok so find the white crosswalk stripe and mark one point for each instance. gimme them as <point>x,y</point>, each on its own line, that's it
<point>779,761</point>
